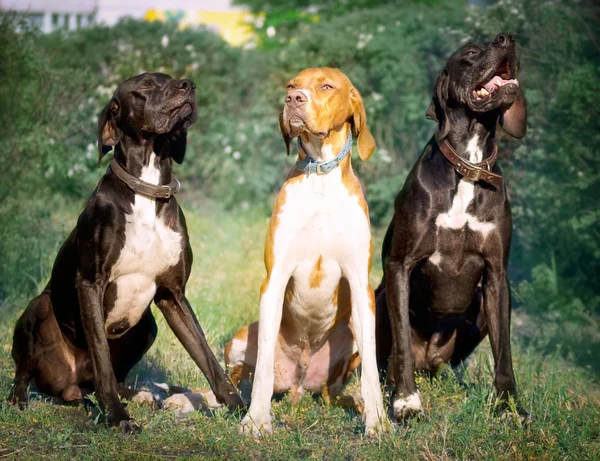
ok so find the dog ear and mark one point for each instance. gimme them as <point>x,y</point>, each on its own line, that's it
<point>108,133</point>
<point>439,103</point>
<point>286,135</point>
<point>514,119</point>
<point>177,145</point>
<point>366,142</point>
<point>431,112</point>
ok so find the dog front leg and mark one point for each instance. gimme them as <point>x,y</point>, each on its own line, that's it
<point>258,419</point>
<point>91,298</point>
<point>496,305</point>
<point>363,324</point>
<point>407,401</point>
<point>180,317</point>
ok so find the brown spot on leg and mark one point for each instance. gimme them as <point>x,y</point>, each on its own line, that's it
<point>352,365</point>
<point>317,275</point>
<point>372,305</point>
<point>241,352</point>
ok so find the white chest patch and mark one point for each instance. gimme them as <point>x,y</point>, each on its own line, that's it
<point>457,217</point>
<point>322,233</point>
<point>150,249</point>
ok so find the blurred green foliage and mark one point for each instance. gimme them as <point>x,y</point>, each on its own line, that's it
<point>52,88</point>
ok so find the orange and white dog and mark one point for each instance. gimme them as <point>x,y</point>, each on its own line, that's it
<point>317,309</point>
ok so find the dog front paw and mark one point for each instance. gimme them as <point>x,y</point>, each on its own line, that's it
<point>18,398</point>
<point>513,414</point>
<point>121,419</point>
<point>377,426</point>
<point>256,426</point>
<point>129,426</point>
<point>407,407</point>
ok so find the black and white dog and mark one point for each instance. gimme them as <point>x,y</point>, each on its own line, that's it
<point>446,250</point>
<point>92,323</point>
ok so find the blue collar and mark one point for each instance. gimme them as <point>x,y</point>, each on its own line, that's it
<point>312,166</point>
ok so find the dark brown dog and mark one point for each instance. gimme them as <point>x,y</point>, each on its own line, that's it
<point>446,250</point>
<point>92,323</point>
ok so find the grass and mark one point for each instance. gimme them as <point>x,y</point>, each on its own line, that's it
<point>562,394</point>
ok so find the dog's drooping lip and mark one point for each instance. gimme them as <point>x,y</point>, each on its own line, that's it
<point>185,114</point>
<point>500,78</point>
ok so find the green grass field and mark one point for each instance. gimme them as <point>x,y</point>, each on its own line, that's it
<point>559,385</point>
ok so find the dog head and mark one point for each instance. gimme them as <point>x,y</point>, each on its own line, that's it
<point>146,106</point>
<point>321,100</point>
<point>480,78</point>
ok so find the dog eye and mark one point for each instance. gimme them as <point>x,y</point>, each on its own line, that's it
<point>470,53</point>
<point>291,87</point>
<point>327,87</point>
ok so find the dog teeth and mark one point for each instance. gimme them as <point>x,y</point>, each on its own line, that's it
<point>482,92</point>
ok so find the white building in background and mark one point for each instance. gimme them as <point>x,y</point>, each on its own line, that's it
<point>229,21</point>
<point>49,15</point>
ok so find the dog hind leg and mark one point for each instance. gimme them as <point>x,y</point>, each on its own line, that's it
<point>23,347</point>
<point>471,332</point>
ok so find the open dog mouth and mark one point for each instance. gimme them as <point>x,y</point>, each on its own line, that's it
<point>296,121</point>
<point>500,78</point>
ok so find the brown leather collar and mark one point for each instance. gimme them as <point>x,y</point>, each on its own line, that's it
<point>473,171</point>
<point>142,187</point>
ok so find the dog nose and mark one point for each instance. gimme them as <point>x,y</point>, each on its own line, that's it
<point>295,98</point>
<point>503,39</point>
<point>185,85</point>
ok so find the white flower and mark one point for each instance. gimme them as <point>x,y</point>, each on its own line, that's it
<point>89,154</point>
<point>259,22</point>
<point>164,41</point>
<point>195,66</point>
<point>90,147</point>
<point>271,31</point>
<point>380,28</point>
<point>225,141</point>
<point>49,172</point>
<point>236,155</point>
<point>228,149</point>
<point>241,180</point>
<point>377,96</point>
<point>383,153</point>
<point>189,48</point>
<point>243,137</point>
<point>245,205</point>
<point>51,141</point>
<point>70,172</point>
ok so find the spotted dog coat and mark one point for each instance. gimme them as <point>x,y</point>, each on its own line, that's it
<point>316,304</point>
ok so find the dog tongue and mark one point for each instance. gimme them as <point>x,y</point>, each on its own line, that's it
<point>498,81</point>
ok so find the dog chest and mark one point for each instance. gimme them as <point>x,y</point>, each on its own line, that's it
<point>150,249</point>
<point>322,232</point>
<point>320,216</point>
